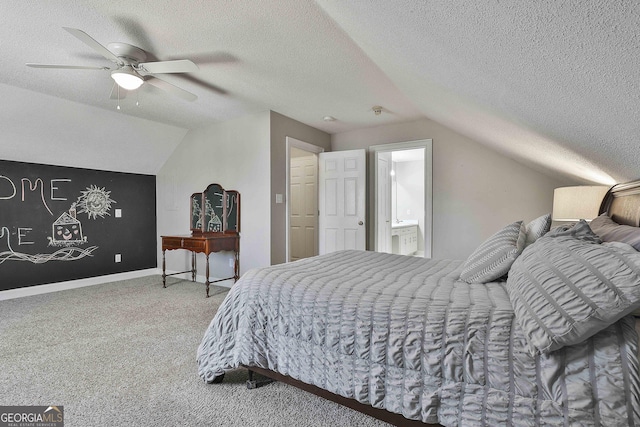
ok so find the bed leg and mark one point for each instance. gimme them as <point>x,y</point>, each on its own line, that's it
<point>253,384</point>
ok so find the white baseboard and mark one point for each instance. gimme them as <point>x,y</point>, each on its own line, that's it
<point>72,284</point>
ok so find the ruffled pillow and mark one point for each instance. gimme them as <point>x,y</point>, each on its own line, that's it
<point>538,228</point>
<point>493,258</point>
<point>567,287</point>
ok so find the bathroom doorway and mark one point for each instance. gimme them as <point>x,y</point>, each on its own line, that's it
<point>403,192</point>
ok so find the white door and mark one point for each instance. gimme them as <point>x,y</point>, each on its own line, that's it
<point>303,230</point>
<point>342,198</point>
<point>383,206</point>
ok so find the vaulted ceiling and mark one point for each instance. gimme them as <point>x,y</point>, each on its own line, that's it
<point>554,85</point>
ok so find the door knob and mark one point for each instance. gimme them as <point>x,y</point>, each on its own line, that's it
<point>360,222</point>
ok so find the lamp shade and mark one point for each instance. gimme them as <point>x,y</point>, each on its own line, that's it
<point>576,203</point>
<point>127,78</point>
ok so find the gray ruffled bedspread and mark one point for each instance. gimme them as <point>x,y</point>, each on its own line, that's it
<point>403,334</point>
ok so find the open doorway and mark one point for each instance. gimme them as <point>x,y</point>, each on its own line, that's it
<point>402,208</point>
<point>302,199</point>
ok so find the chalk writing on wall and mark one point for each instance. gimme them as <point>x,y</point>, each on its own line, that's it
<point>57,223</point>
<point>9,190</point>
<point>64,254</point>
<point>66,230</point>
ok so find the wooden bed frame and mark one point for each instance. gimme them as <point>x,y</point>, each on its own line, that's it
<point>622,203</point>
<point>380,414</point>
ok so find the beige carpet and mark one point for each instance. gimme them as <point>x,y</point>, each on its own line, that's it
<point>123,354</point>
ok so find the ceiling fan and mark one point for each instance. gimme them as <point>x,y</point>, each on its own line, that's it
<point>130,69</point>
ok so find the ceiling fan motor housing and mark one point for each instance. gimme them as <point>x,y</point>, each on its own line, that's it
<point>129,54</point>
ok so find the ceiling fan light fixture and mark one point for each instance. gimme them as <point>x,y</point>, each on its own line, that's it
<point>127,78</point>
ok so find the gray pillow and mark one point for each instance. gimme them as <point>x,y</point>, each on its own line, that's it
<point>493,258</point>
<point>538,228</point>
<point>578,230</point>
<point>565,289</point>
<point>628,248</point>
<point>611,231</point>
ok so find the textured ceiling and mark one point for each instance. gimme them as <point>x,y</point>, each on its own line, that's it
<point>552,84</point>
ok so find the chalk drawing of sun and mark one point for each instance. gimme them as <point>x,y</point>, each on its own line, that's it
<point>95,202</point>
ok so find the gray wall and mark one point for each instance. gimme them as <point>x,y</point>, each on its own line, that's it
<point>476,191</point>
<point>281,128</point>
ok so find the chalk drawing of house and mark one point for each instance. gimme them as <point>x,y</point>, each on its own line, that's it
<point>67,230</point>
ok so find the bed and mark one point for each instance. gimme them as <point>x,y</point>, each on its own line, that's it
<point>417,341</point>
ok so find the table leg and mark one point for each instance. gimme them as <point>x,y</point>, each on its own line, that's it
<point>193,266</point>
<point>164,269</point>
<point>236,267</point>
<point>207,280</point>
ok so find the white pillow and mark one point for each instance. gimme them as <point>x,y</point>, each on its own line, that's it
<point>493,258</point>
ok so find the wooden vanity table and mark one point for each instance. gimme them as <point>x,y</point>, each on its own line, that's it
<point>215,227</point>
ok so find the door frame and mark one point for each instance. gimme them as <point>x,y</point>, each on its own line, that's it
<point>388,211</point>
<point>427,144</point>
<point>293,142</point>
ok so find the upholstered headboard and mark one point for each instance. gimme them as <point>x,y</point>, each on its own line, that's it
<point>622,203</point>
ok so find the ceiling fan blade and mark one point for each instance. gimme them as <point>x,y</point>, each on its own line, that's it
<point>174,90</point>
<point>66,67</point>
<point>89,41</point>
<point>163,67</point>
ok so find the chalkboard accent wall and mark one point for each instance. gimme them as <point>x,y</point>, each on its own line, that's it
<point>60,223</point>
